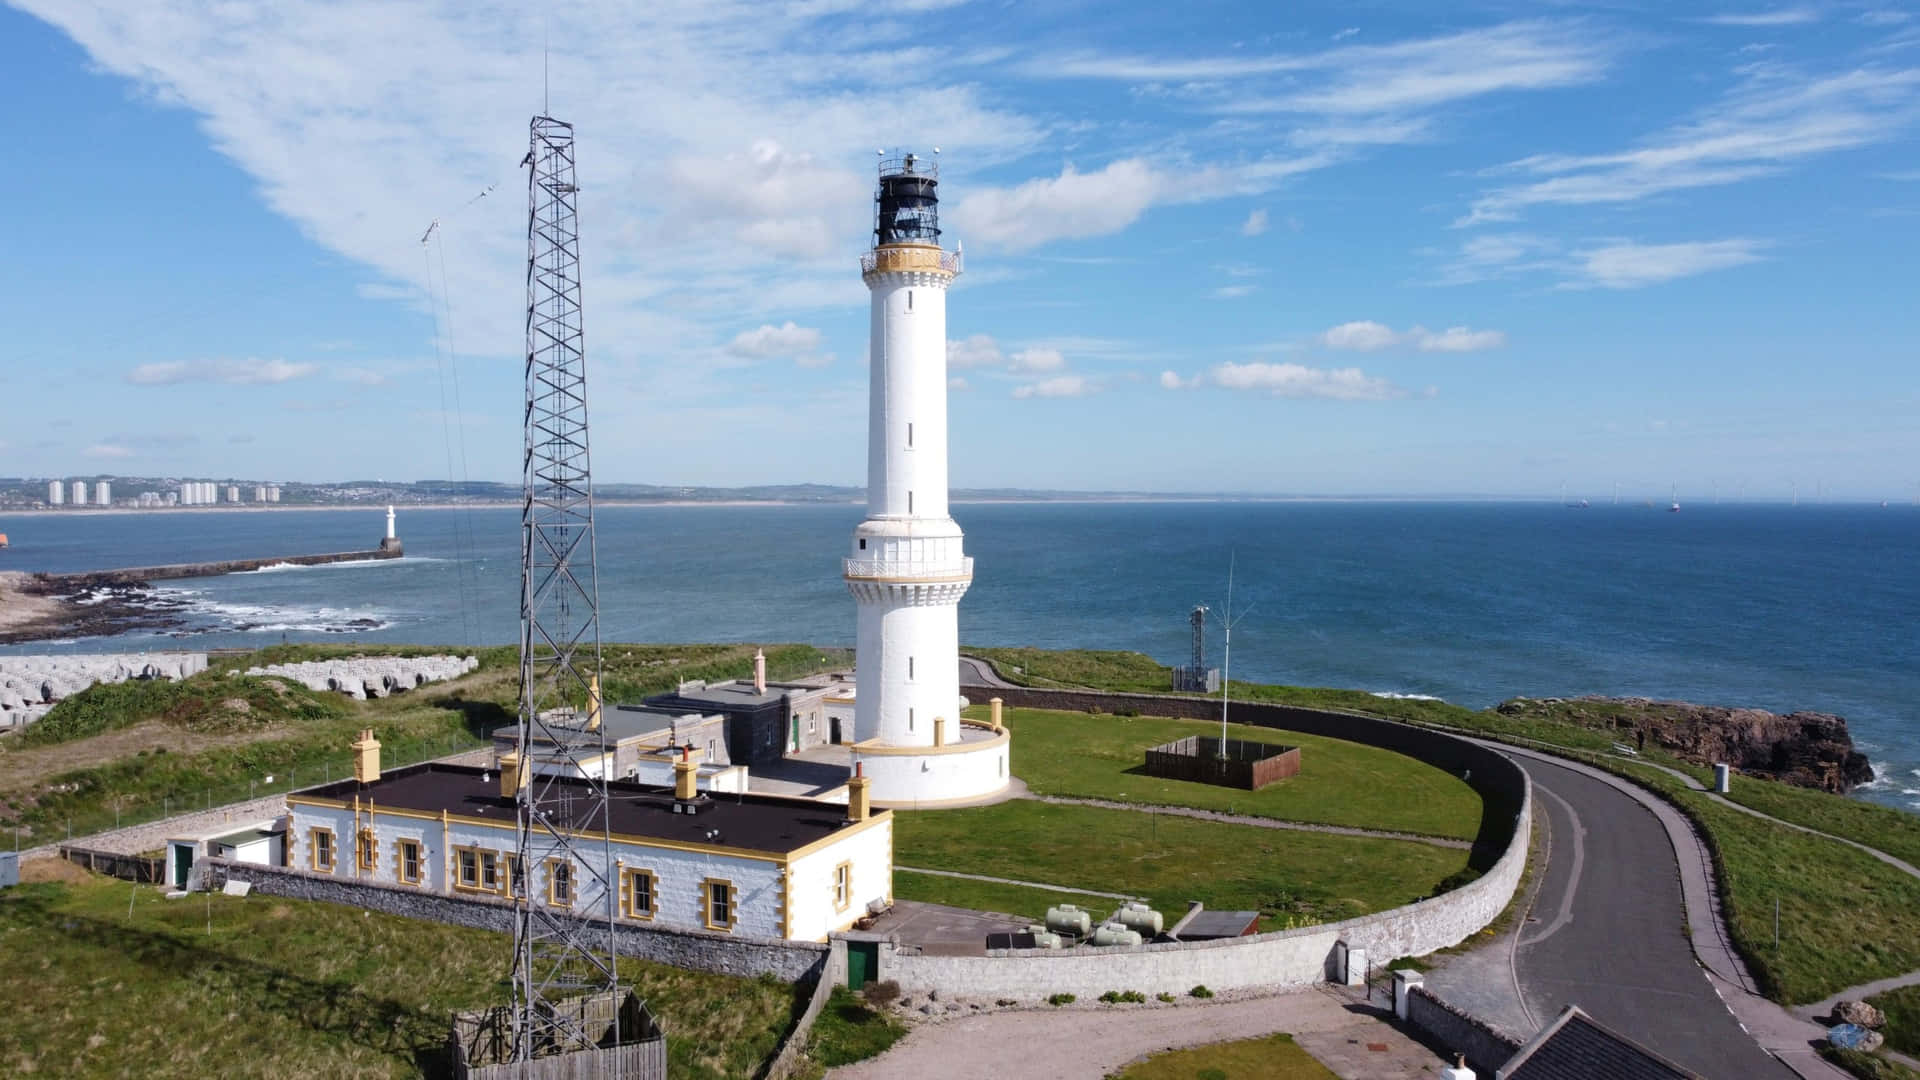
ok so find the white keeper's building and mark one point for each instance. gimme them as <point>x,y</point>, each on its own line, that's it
<point>757,865</point>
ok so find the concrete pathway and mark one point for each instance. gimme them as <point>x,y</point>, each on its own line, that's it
<point>1087,1043</point>
<point>975,672</point>
<point>1257,822</point>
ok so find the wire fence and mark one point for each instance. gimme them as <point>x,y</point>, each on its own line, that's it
<point>113,812</point>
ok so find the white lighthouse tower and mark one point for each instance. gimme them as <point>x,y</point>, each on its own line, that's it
<point>908,567</point>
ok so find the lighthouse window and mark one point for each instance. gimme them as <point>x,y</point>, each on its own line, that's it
<point>909,719</point>
<point>909,436</point>
<point>909,667</point>
<point>863,544</point>
<point>909,502</point>
<point>909,299</point>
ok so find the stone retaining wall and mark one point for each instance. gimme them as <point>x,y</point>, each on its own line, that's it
<point>1280,959</point>
<point>724,954</point>
<point>1459,1032</point>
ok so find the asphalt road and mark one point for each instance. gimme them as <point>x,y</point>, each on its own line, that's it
<point>1608,933</point>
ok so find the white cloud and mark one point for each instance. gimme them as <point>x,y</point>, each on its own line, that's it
<point>1781,17</point>
<point>1037,359</point>
<point>1368,336</point>
<point>980,350</point>
<point>1255,224</point>
<point>1171,380</point>
<point>958,384</point>
<point>1771,120</point>
<point>768,341</point>
<point>1630,266</point>
<point>361,376</point>
<point>814,360</point>
<point>1300,381</point>
<point>1360,336</point>
<point>1342,35</point>
<point>106,451</point>
<point>1458,339</point>
<point>1233,292</point>
<point>1060,386</point>
<point>251,371</point>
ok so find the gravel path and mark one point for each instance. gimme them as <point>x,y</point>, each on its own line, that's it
<point>1081,1043</point>
<point>1257,822</point>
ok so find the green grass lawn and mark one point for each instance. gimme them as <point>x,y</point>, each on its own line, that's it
<point>1020,900</point>
<point>1287,875</point>
<point>1895,832</point>
<point>1902,1007</point>
<point>1340,783</point>
<point>1271,1057</point>
<point>1868,1066</point>
<point>848,1030</point>
<point>290,988</point>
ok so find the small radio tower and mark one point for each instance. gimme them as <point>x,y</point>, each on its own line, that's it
<point>558,953</point>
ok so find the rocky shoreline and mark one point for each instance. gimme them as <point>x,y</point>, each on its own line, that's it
<point>1807,749</point>
<point>51,610</point>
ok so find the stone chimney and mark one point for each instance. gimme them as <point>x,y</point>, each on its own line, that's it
<point>512,776</point>
<point>685,773</point>
<point>858,808</point>
<point>759,671</point>
<point>366,757</point>
<point>994,705</point>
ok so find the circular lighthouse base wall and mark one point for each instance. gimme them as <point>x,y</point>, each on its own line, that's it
<point>933,776</point>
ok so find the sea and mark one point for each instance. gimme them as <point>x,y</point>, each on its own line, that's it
<point>1783,608</point>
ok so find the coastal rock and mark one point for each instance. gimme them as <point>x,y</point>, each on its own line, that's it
<point>1808,749</point>
<point>1859,1012</point>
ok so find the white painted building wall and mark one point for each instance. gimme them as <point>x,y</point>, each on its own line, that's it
<point>934,778</point>
<point>758,880</point>
<point>869,858</point>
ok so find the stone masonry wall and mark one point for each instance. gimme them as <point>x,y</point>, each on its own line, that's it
<point>1280,959</point>
<point>724,954</point>
<point>1459,1033</point>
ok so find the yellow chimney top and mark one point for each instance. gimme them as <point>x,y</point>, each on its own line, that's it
<point>593,702</point>
<point>858,806</point>
<point>512,776</point>
<point>685,774</point>
<point>366,757</point>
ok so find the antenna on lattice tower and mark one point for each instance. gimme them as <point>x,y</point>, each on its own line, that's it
<point>558,952</point>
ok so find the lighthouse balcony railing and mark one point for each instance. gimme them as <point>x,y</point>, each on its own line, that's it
<point>908,568</point>
<point>953,262</point>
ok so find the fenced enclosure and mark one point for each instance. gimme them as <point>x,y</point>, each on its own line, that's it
<point>147,870</point>
<point>482,1043</point>
<point>1239,763</point>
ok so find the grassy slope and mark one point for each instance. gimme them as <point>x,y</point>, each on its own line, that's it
<point>299,736</point>
<point>847,1031</point>
<point>1271,1057</point>
<point>1170,860</point>
<point>1902,1007</point>
<point>271,991</point>
<point>1340,783</point>
<point>1019,900</point>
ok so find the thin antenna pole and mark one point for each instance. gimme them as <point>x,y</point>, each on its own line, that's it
<point>1228,620</point>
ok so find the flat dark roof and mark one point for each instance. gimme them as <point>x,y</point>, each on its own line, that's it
<point>734,694</point>
<point>759,823</point>
<point>629,721</point>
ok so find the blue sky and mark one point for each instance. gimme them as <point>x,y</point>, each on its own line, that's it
<point>1360,248</point>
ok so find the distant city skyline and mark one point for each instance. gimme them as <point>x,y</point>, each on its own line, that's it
<point>1409,251</point>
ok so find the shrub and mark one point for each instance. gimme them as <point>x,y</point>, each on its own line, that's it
<point>1061,999</point>
<point>1200,991</point>
<point>1164,996</point>
<point>881,994</point>
<point>1115,997</point>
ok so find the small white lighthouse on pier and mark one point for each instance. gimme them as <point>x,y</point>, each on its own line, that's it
<point>908,568</point>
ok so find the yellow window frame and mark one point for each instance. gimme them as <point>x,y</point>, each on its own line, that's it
<point>466,858</point>
<point>401,850</point>
<point>630,877</point>
<point>559,877</point>
<point>842,886</point>
<point>315,847</point>
<point>732,904</point>
<point>366,850</point>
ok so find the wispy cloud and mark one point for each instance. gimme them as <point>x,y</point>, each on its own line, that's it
<point>1794,16</point>
<point>1773,119</point>
<point>1368,336</point>
<point>1233,292</point>
<point>1255,224</point>
<point>1060,386</point>
<point>767,341</point>
<point>1628,265</point>
<point>251,371</point>
<point>1300,381</point>
<point>106,452</point>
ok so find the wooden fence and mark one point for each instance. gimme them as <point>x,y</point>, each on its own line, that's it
<point>1246,764</point>
<point>144,869</point>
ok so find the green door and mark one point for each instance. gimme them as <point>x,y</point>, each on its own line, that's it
<point>182,865</point>
<point>863,963</point>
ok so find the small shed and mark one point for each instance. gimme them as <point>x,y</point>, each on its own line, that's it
<point>9,869</point>
<point>263,843</point>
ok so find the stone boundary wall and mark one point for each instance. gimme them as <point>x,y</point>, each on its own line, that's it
<point>833,974</point>
<point>722,954</point>
<point>1461,1033</point>
<point>1278,959</point>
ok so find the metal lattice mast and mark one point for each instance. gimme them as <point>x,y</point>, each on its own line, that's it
<point>563,932</point>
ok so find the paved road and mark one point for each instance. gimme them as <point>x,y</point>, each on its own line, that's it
<point>976,673</point>
<point>1609,932</point>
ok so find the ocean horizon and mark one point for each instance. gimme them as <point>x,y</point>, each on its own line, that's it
<point>1812,608</point>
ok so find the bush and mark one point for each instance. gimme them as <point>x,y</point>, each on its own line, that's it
<point>881,994</point>
<point>1115,997</point>
<point>1061,999</point>
<point>1200,991</point>
<point>1164,996</point>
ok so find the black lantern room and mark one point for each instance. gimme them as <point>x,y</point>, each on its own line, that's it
<point>907,203</point>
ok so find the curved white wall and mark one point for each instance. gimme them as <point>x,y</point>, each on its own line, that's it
<point>903,780</point>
